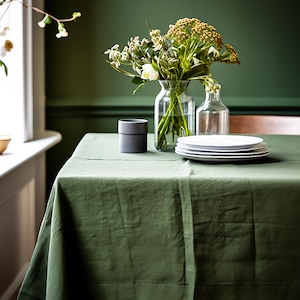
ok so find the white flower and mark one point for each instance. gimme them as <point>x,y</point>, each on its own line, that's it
<point>144,42</point>
<point>196,61</point>
<point>137,69</point>
<point>157,40</point>
<point>124,55</point>
<point>149,73</point>
<point>113,53</point>
<point>46,20</point>
<point>3,30</point>
<point>210,85</point>
<point>62,32</point>
<point>41,24</point>
<point>76,15</point>
<point>115,47</point>
<point>213,52</point>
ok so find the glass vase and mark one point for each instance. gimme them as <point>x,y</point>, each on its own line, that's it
<point>174,114</point>
<point>212,116</point>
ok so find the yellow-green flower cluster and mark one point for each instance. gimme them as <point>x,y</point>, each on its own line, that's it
<point>233,56</point>
<point>193,28</point>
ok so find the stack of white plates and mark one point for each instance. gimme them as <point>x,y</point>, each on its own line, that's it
<point>222,148</point>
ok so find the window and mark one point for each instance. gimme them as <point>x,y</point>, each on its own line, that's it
<point>21,101</point>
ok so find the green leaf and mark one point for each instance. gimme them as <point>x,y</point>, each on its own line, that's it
<point>2,64</point>
<point>198,71</point>
<point>137,80</point>
<point>155,67</point>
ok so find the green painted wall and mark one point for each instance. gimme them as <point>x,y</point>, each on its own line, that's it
<point>84,94</point>
<point>264,33</point>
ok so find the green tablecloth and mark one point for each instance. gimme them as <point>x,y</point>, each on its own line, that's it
<point>156,226</point>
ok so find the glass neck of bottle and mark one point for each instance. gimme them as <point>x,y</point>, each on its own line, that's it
<point>213,97</point>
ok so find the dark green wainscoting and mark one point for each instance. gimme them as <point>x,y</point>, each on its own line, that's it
<point>73,119</point>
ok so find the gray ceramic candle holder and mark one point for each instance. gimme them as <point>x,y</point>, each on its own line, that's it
<point>133,135</point>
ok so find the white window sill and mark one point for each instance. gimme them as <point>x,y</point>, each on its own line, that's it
<point>18,153</point>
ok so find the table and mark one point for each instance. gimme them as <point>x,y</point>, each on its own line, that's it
<point>156,226</point>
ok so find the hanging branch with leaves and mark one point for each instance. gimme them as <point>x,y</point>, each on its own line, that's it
<point>47,20</point>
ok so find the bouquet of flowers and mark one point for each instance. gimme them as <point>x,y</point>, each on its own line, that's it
<point>185,52</point>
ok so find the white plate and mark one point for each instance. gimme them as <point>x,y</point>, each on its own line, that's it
<point>252,148</point>
<point>221,158</point>
<point>248,153</point>
<point>220,141</point>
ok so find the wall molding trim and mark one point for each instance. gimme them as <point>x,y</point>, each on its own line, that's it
<point>144,106</point>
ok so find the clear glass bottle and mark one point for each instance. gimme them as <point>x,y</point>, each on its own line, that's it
<point>174,114</point>
<point>212,116</point>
